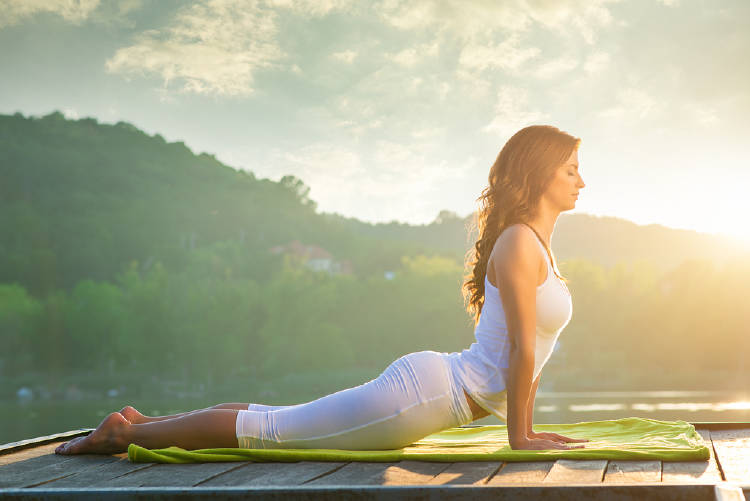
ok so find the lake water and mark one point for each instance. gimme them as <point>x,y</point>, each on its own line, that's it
<point>22,420</point>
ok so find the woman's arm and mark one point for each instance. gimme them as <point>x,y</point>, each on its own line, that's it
<point>515,269</point>
<point>530,410</point>
<point>517,261</point>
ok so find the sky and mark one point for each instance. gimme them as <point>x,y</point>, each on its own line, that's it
<point>395,110</point>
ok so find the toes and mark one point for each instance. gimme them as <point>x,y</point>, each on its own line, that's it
<point>72,446</point>
<point>65,448</point>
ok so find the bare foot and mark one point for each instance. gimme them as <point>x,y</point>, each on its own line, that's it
<point>107,438</point>
<point>131,414</point>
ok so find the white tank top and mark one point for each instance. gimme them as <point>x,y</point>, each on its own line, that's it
<point>482,369</point>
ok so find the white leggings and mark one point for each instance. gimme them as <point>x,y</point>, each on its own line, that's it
<point>412,398</point>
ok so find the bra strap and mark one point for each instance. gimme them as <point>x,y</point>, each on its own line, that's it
<point>541,244</point>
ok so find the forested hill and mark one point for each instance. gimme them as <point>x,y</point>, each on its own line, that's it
<point>81,199</point>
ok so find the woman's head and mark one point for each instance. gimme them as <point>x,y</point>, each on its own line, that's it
<point>528,171</point>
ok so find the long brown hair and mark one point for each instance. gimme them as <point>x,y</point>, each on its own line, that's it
<point>523,170</point>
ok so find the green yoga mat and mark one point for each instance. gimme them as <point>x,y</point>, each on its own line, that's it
<point>627,438</point>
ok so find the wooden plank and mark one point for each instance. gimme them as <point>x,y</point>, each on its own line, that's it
<point>467,473</point>
<point>172,475</point>
<point>728,492</point>
<point>97,474</point>
<point>733,453</point>
<point>632,472</point>
<point>684,472</point>
<point>32,472</point>
<point>32,442</point>
<point>590,492</point>
<point>367,473</point>
<point>354,473</point>
<point>575,471</point>
<point>258,474</point>
<point>412,472</point>
<point>33,452</point>
<point>720,425</point>
<point>522,473</point>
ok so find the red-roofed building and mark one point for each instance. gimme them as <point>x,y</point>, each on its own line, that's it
<point>316,258</point>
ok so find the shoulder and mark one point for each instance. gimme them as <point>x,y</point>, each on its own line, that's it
<point>515,240</point>
<point>516,252</point>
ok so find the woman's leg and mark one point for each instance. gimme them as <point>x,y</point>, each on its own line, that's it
<point>202,429</point>
<point>135,417</point>
<point>411,399</point>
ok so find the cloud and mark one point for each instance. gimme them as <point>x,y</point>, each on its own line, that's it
<point>506,55</point>
<point>573,17</point>
<point>347,55</point>
<point>389,100</point>
<point>596,62</point>
<point>480,19</point>
<point>463,20</point>
<point>74,11</point>
<point>511,113</point>
<point>214,46</point>
<point>126,6</point>
<point>336,175</point>
<point>702,114</point>
<point>310,7</point>
<point>633,103</point>
<point>412,55</point>
<point>555,68</point>
<point>381,181</point>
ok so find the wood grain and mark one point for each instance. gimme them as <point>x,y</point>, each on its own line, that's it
<point>685,472</point>
<point>572,471</point>
<point>733,453</point>
<point>467,473</point>
<point>258,474</point>
<point>522,473</point>
<point>632,472</point>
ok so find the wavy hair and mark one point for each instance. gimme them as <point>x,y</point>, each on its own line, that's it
<point>523,170</point>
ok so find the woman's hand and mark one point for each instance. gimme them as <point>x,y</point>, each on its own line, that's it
<point>555,437</point>
<point>536,444</point>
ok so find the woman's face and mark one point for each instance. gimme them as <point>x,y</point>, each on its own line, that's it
<point>562,192</point>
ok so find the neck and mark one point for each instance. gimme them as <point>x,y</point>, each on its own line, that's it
<point>544,222</point>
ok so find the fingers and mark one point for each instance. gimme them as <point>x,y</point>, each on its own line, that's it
<point>567,447</point>
<point>568,439</point>
<point>558,445</point>
<point>551,444</point>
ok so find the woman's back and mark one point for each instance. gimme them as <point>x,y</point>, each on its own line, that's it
<point>482,368</point>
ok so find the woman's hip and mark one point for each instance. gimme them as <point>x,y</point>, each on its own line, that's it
<point>427,374</point>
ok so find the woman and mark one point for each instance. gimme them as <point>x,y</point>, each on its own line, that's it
<point>534,178</point>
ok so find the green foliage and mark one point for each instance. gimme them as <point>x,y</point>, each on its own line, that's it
<point>20,316</point>
<point>124,254</point>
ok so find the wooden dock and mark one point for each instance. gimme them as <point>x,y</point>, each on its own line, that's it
<point>31,470</point>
